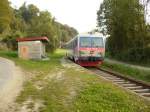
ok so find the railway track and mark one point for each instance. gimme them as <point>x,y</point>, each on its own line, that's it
<point>135,86</point>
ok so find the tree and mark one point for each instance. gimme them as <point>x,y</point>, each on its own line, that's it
<point>28,12</point>
<point>5,15</point>
<point>124,21</point>
<point>29,21</point>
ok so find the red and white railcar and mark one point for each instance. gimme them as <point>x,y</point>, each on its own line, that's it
<point>87,49</point>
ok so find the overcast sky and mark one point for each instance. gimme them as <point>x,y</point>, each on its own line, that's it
<point>80,14</point>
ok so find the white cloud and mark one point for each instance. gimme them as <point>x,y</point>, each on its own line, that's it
<point>80,14</point>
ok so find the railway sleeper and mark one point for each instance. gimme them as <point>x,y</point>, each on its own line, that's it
<point>145,94</point>
<point>142,90</point>
<point>129,85</point>
<point>112,78</point>
<point>108,76</point>
<point>118,80</point>
<point>135,87</point>
<point>123,82</point>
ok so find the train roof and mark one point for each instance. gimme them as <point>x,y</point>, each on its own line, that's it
<point>90,35</point>
<point>87,35</point>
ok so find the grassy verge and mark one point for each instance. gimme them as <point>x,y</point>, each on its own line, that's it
<point>59,86</point>
<point>143,75</point>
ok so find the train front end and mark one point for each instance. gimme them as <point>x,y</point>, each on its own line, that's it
<point>91,51</point>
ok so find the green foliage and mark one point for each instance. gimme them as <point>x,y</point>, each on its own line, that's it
<point>124,22</point>
<point>28,12</point>
<point>29,21</point>
<point>139,74</point>
<point>8,54</point>
<point>71,89</point>
<point>5,15</point>
<point>96,98</point>
<point>10,39</point>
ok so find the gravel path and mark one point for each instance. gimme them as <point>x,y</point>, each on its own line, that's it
<point>134,66</point>
<point>11,80</point>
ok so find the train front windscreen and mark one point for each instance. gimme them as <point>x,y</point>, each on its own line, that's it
<point>91,42</point>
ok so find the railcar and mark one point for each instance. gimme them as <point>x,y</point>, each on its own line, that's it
<point>87,49</point>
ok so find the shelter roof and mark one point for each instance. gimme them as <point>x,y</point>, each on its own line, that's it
<point>44,39</point>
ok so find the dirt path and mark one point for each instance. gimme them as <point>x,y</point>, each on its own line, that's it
<point>134,66</point>
<point>11,81</point>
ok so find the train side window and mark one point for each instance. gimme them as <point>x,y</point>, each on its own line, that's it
<point>72,44</point>
<point>75,43</point>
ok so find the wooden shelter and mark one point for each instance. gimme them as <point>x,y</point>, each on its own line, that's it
<point>32,48</point>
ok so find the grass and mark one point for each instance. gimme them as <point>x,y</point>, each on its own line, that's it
<point>106,98</point>
<point>61,88</point>
<point>143,75</point>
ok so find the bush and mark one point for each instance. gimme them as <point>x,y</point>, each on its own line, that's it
<point>138,55</point>
<point>3,46</point>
